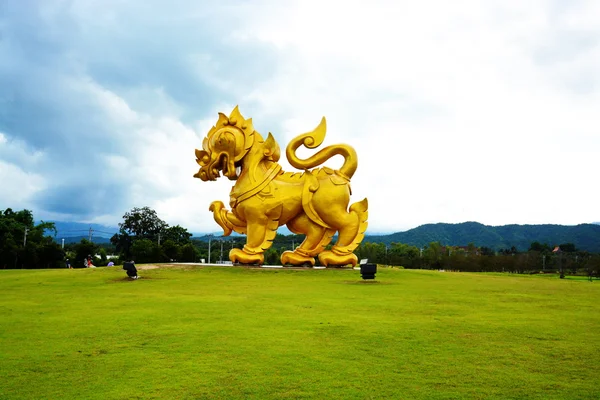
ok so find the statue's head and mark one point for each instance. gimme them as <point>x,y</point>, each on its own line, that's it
<point>224,147</point>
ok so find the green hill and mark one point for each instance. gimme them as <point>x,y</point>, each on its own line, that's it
<point>584,236</point>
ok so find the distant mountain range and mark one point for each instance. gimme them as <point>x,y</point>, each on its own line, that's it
<point>584,237</point>
<point>75,231</point>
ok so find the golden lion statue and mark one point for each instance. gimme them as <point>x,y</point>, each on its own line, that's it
<point>313,202</point>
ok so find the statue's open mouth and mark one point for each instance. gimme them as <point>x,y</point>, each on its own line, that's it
<point>230,169</point>
<point>210,171</point>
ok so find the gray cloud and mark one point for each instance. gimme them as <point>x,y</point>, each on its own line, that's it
<point>80,200</point>
<point>59,57</point>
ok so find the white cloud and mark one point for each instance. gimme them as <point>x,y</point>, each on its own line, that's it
<point>459,122</point>
<point>18,152</point>
<point>18,186</point>
<point>157,165</point>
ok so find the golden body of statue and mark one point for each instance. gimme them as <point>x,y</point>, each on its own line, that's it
<point>312,202</point>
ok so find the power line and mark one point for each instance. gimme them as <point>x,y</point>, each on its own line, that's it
<point>66,232</point>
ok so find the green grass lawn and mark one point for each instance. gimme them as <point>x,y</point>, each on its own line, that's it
<point>238,333</point>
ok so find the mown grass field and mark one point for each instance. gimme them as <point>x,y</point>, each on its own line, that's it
<point>238,333</point>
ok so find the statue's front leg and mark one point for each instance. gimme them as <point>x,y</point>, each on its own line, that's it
<point>261,230</point>
<point>252,253</point>
<point>226,219</point>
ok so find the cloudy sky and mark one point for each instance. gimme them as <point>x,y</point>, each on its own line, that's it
<point>483,111</point>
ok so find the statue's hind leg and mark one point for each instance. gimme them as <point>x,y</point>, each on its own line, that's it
<point>317,237</point>
<point>352,228</point>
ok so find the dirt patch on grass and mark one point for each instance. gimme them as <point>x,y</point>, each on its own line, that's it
<point>149,266</point>
<point>180,266</point>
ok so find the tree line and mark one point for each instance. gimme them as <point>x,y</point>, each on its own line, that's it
<point>24,244</point>
<point>562,258</point>
<point>146,238</point>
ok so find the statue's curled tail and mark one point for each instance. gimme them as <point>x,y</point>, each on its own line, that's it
<point>313,140</point>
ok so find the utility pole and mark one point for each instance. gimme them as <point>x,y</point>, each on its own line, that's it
<point>543,262</point>
<point>25,237</point>
<point>209,237</point>
<point>90,234</point>
<point>221,251</point>
<point>63,243</point>
<point>387,254</point>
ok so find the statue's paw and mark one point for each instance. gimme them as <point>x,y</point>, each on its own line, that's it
<point>293,258</point>
<point>329,258</point>
<point>220,216</point>
<point>240,256</point>
<point>216,206</point>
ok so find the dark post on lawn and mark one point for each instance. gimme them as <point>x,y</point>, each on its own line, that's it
<point>368,271</point>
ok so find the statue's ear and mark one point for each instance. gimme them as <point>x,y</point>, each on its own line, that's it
<point>202,158</point>
<point>272,151</point>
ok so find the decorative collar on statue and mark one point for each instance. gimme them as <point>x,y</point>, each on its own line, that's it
<point>239,194</point>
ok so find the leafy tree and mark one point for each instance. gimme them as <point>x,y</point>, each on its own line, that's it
<point>592,265</point>
<point>171,249</point>
<point>144,250</point>
<point>374,252</point>
<point>272,257</point>
<point>9,247</point>
<point>403,254</point>
<point>122,242</point>
<point>142,223</point>
<point>102,254</point>
<point>50,254</point>
<point>433,255</point>
<point>542,248</point>
<point>84,249</point>
<point>24,244</point>
<point>568,247</point>
<point>511,251</point>
<point>145,237</point>
<point>24,218</point>
<point>189,253</point>
<point>176,234</point>
<point>486,251</point>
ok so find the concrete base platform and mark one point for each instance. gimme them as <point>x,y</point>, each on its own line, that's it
<point>252,266</point>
